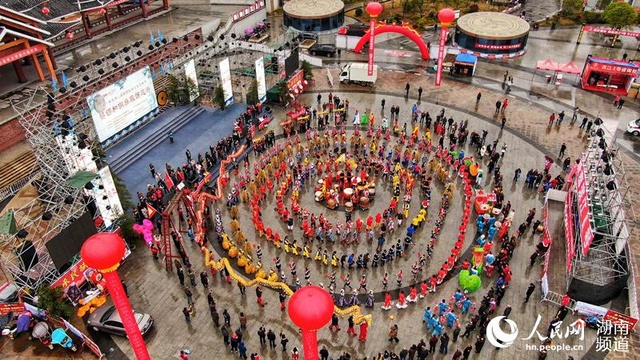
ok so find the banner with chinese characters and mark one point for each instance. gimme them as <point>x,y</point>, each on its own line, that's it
<point>441,52</point>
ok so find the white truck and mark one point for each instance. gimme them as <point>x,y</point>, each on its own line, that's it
<point>357,73</point>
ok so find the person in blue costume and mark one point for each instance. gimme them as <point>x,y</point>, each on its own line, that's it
<point>427,315</point>
<point>481,240</point>
<point>466,304</point>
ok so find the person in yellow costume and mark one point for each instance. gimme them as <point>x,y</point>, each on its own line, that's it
<point>286,244</point>
<point>294,247</point>
<point>306,252</point>
<point>318,256</point>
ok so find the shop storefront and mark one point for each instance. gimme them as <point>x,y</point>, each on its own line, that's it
<point>607,75</point>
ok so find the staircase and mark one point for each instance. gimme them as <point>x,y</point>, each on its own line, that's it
<point>159,135</point>
<point>15,174</point>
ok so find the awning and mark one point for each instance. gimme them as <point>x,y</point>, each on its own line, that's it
<point>80,179</point>
<point>548,65</point>
<point>570,68</point>
<point>8,223</point>
<point>466,59</point>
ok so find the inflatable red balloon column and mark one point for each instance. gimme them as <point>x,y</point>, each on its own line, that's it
<point>446,17</point>
<point>373,9</point>
<point>103,252</point>
<point>310,309</point>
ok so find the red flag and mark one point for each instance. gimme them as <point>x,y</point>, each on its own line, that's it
<point>168,181</point>
<point>151,211</point>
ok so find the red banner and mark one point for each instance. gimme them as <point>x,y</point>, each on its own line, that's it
<point>617,318</point>
<point>609,31</point>
<point>498,47</point>
<point>568,230</point>
<point>625,70</point>
<point>76,272</point>
<point>586,233</point>
<point>21,54</point>
<point>12,307</point>
<point>372,27</point>
<point>441,51</point>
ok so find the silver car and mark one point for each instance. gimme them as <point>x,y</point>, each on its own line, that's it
<point>107,319</point>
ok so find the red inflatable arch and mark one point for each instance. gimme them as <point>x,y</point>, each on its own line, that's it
<point>403,29</point>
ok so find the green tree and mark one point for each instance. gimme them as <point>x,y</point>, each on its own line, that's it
<point>571,8</point>
<point>51,300</point>
<point>308,72</point>
<point>218,97</point>
<point>252,93</point>
<point>620,14</point>
<point>283,91</point>
<point>174,92</point>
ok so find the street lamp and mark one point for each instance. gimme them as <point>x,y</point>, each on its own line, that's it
<point>103,252</point>
<point>373,9</point>
<point>446,17</point>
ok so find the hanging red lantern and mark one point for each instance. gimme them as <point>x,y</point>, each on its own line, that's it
<point>45,10</point>
<point>103,11</point>
<point>69,35</point>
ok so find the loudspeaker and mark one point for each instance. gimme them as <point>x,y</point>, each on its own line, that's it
<point>611,185</point>
<point>88,185</point>
<point>22,234</point>
<point>27,254</point>
<point>608,169</point>
<point>47,216</point>
<point>68,200</point>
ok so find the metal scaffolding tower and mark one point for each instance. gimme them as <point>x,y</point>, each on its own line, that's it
<point>607,187</point>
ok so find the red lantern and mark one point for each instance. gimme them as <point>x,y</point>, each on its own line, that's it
<point>103,251</point>
<point>446,16</point>
<point>69,35</point>
<point>103,11</point>
<point>45,11</point>
<point>310,308</point>
<point>374,9</point>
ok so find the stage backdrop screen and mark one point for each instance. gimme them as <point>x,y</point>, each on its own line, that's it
<point>225,78</point>
<point>67,244</point>
<point>122,104</point>
<point>292,63</point>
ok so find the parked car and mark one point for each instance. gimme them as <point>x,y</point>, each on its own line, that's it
<point>633,127</point>
<point>357,29</point>
<point>323,50</point>
<point>107,319</point>
<point>308,35</point>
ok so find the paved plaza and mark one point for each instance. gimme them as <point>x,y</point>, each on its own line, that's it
<point>527,138</point>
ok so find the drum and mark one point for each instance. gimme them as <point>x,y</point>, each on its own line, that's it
<point>331,204</point>
<point>318,196</point>
<point>348,206</point>
<point>348,193</point>
<point>364,203</point>
<point>372,193</point>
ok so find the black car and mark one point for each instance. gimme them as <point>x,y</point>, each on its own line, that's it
<point>357,29</point>
<point>323,49</point>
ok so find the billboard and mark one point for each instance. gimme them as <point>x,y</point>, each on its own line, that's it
<point>225,78</point>
<point>122,103</point>
<point>262,87</point>
<point>292,63</point>
<point>190,73</point>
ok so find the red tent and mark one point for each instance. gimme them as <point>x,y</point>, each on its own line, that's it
<point>548,65</point>
<point>570,68</point>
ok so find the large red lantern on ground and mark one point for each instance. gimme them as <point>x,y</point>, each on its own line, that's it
<point>103,252</point>
<point>310,309</point>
